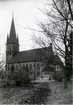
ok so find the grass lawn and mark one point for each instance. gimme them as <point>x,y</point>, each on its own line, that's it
<point>38,94</point>
<point>59,95</point>
<point>13,95</point>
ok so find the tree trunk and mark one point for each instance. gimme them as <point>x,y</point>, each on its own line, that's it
<point>65,78</point>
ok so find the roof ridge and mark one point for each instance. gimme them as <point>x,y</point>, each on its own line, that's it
<point>34,49</point>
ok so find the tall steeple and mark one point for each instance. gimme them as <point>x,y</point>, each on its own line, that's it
<point>12,46</point>
<point>12,38</point>
<point>7,39</point>
<point>12,32</point>
<point>17,40</point>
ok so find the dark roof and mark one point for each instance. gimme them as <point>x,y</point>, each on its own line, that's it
<point>56,60</point>
<point>32,55</point>
<point>36,55</point>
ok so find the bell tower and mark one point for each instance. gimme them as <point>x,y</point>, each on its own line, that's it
<point>12,44</point>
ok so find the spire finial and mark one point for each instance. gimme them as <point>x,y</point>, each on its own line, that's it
<point>12,14</point>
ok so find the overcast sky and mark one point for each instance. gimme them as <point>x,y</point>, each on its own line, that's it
<point>25,13</point>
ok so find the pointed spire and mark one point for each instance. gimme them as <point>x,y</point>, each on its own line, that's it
<point>12,14</point>
<point>12,32</point>
<point>7,39</point>
<point>17,40</point>
<point>12,39</point>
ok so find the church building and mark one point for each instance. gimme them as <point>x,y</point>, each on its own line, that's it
<point>35,59</point>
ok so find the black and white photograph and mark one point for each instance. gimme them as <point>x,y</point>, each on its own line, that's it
<point>36,52</point>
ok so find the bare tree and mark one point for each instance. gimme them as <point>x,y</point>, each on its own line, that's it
<point>58,28</point>
<point>70,6</point>
<point>2,60</point>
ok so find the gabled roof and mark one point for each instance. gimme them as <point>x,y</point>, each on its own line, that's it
<point>56,60</point>
<point>36,55</point>
<point>32,55</point>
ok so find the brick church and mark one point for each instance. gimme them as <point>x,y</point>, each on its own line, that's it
<point>35,59</point>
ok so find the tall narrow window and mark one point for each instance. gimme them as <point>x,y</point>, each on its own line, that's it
<point>12,68</point>
<point>26,68</point>
<point>10,52</point>
<point>57,68</point>
<point>38,66</point>
<point>30,67</point>
<point>17,67</point>
<point>8,68</point>
<point>23,67</point>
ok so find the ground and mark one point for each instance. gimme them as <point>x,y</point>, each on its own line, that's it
<point>38,93</point>
<point>60,95</point>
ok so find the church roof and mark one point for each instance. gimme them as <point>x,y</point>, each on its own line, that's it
<point>33,55</point>
<point>56,60</point>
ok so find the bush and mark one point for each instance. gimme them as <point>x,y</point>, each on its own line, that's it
<point>57,77</point>
<point>2,75</point>
<point>20,77</point>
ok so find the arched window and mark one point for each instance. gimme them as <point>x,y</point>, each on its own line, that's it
<point>23,67</point>
<point>12,68</point>
<point>57,68</point>
<point>17,67</point>
<point>10,52</point>
<point>30,67</point>
<point>7,67</point>
<point>38,66</point>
